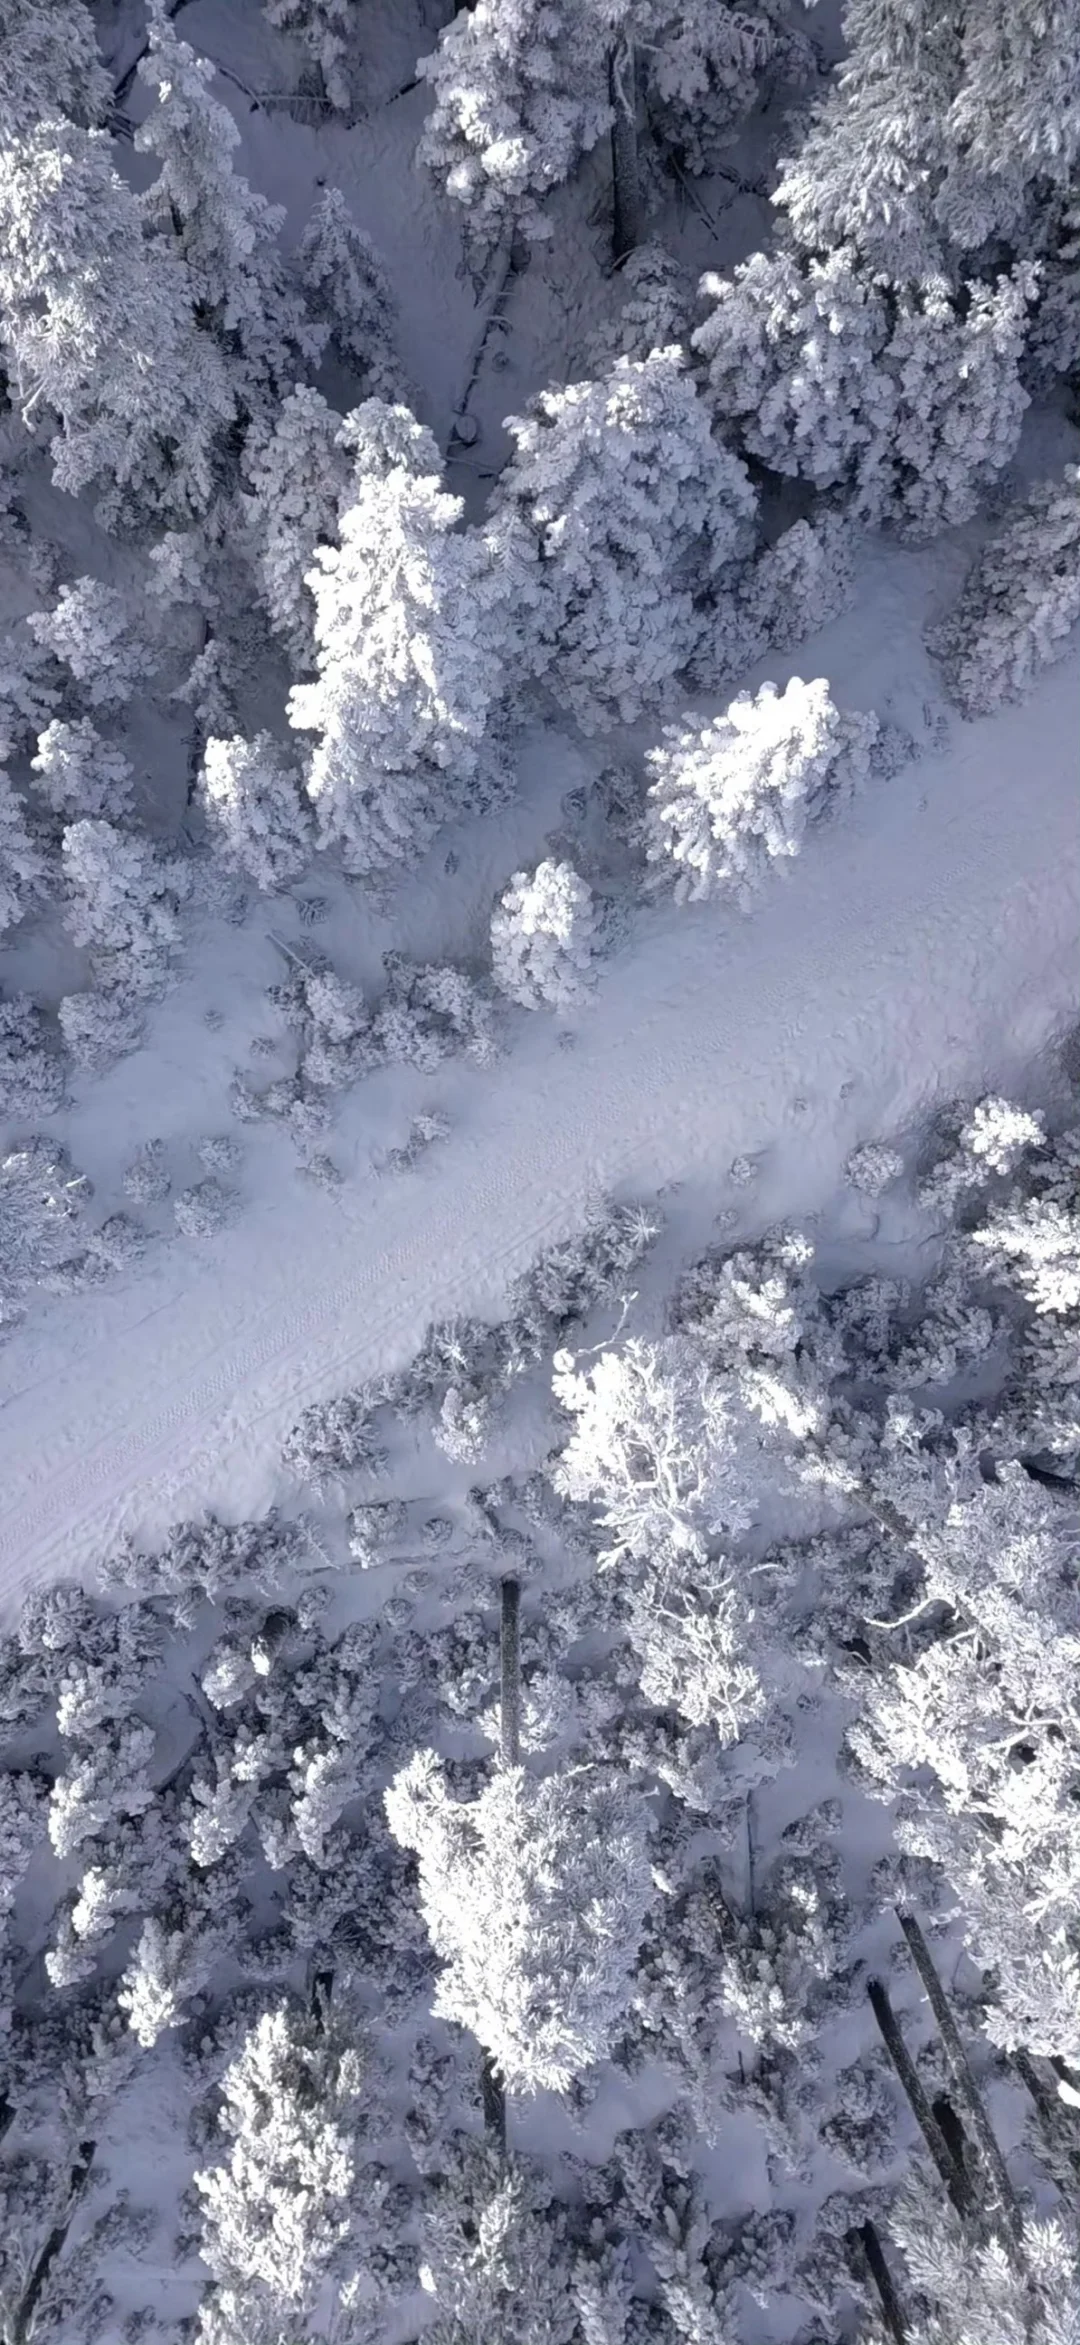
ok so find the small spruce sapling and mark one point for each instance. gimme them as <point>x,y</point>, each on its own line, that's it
<point>544,936</point>
<point>349,291</point>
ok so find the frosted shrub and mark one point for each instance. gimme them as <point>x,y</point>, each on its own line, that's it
<point>543,937</point>
<point>204,1209</point>
<point>146,1180</point>
<point>251,791</point>
<point>220,1153</point>
<point>80,774</point>
<point>1019,602</point>
<point>99,1028</point>
<point>728,798</point>
<point>872,1168</point>
<point>635,510</point>
<point>90,631</point>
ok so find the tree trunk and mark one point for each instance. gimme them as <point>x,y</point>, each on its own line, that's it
<point>625,174</point>
<point>870,2245</point>
<point>985,2138</point>
<point>493,2097</point>
<point>953,2175</point>
<point>510,1720</point>
<point>23,2317</point>
<point>864,2236</point>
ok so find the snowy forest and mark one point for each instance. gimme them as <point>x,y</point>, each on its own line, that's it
<point>539,1172</point>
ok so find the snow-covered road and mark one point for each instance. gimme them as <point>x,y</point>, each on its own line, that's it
<point>930,941</point>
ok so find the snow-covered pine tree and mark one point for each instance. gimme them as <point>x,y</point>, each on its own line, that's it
<point>123,902</point>
<point>910,397</point>
<point>976,1739</point>
<point>90,631</point>
<point>519,95</point>
<point>535,1896</point>
<point>225,234</point>
<point>349,292</point>
<point>727,798</point>
<point>655,306</point>
<point>80,773</point>
<point>544,936</point>
<point>252,795</point>
<point>794,348</point>
<point>636,512</point>
<point>707,66</point>
<point>286,2196</point>
<point>22,865</point>
<point>326,30</point>
<point>943,120</point>
<point>49,64</point>
<point>99,330</point>
<point>1019,601</point>
<point>653,1447</point>
<point>967,2285</point>
<point>958,399</point>
<point>523,90</point>
<point>788,592</point>
<point>299,473</point>
<point>31,1072</point>
<point>413,623</point>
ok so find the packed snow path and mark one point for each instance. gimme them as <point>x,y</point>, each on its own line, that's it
<point>929,942</point>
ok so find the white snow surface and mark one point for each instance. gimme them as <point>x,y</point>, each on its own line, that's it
<point>926,944</point>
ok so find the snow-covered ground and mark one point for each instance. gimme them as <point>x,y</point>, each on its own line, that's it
<point>926,944</point>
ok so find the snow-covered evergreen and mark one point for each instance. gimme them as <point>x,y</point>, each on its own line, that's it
<point>253,798</point>
<point>349,292</point>
<point>413,623</point>
<point>543,937</point>
<point>224,233</point>
<point>101,334</point>
<point>636,512</point>
<point>535,1894</point>
<point>1019,602</point>
<point>727,798</point>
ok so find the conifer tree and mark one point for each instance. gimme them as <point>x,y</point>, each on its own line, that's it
<point>413,619</point>
<point>225,234</point>
<point>636,512</point>
<point>99,327</point>
<point>348,291</point>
